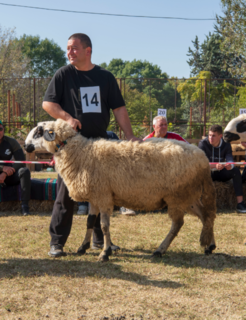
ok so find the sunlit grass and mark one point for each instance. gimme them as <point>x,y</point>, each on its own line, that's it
<point>183,284</point>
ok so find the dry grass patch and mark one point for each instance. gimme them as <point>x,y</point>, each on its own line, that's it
<point>183,284</point>
<point>44,175</point>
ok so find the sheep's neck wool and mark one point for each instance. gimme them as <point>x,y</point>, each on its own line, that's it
<point>60,145</point>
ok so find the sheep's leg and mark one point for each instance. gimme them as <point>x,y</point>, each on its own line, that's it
<point>209,249</point>
<point>92,216</point>
<point>207,219</point>
<point>177,217</point>
<point>107,251</point>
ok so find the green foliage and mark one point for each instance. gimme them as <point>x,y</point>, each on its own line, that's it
<point>135,74</point>
<point>232,28</point>
<point>20,133</point>
<point>45,55</point>
<point>138,105</point>
<point>134,69</point>
<point>12,62</point>
<point>193,90</point>
<point>242,97</point>
<point>208,56</point>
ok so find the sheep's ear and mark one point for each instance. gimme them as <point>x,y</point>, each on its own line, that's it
<point>38,132</point>
<point>241,126</point>
<point>49,135</point>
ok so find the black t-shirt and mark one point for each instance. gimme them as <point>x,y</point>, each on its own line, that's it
<point>10,147</point>
<point>87,96</point>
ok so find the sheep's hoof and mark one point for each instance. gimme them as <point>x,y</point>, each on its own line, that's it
<point>157,254</point>
<point>210,249</point>
<point>103,258</point>
<point>82,249</point>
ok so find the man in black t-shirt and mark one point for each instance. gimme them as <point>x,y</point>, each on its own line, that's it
<point>17,173</point>
<point>81,94</point>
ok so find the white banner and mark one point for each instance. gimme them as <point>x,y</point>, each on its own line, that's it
<point>162,112</point>
<point>242,111</point>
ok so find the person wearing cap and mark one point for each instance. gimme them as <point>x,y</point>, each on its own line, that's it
<point>14,174</point>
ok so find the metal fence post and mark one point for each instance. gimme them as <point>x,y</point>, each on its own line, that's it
<point>9,108</point>
<point>204,108</point>
<point>34,101</point>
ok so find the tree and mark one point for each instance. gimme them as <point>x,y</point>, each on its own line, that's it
<point>219,94</point>
<point>209,57</point>
<point>146,78</point>
<point>232,28</point>
<point>12,62</point>
<point>45,56</point>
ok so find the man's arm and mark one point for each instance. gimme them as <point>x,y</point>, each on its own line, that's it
<point>229,158</point>
<point>121,116</point>
<point>55,111</point>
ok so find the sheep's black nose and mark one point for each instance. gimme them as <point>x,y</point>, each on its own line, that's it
<point>228,136</point>
<point>29,147</point>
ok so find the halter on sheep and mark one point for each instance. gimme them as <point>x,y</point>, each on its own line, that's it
<point>141,176</point>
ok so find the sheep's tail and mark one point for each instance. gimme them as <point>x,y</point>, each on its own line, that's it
<point>208,209</point>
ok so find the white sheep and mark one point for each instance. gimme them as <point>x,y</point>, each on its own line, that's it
<point>141,176</point>
<point>236,129</point>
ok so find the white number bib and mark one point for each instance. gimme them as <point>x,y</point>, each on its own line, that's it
<point>90,99</point>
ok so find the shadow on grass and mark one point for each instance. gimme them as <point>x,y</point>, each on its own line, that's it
<point>29,268</point>
<point>215,261</point>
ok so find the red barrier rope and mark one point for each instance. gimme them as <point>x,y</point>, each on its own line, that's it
<point>38,162</point>
<point>51,163</point>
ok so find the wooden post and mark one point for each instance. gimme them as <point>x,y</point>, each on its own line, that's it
<point>204,108</point>
<point>34,102</point>
<point>190,122</point>
<point>30,157</point>
<point>13,105</point>
<point>17,114</point>
<point>20,109</point>
<point>9,108</point>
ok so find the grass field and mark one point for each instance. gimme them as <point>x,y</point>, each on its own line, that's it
<point>183,284</point>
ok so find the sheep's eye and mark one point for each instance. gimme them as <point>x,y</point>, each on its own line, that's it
<point>241,126</point>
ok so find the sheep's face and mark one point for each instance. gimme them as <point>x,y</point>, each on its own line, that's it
<point>236,129</point>
<point>47,135</point>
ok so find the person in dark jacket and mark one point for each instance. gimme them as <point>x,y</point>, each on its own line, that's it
<point>14,174</point>
<point>217,150</point>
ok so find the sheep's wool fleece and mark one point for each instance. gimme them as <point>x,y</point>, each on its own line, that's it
<point>136,175</point>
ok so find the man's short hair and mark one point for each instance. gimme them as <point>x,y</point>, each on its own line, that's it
<point>216,128</point>
<point>158,118</point>
<point>84,39</point>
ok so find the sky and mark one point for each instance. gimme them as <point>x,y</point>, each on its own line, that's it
<point>162,42</point>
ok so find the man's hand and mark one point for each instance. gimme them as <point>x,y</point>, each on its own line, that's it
<point>243,143</point>
<point>123,120</point>
<point>219,166</point>
<point>228,166</point>
<point>8,170</point>
<point>133,138</point>
<point>74,123</point>
<point>3,176</point>
<point>56,111</point>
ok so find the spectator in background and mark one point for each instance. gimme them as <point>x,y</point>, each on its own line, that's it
<point>217,150</point>
<point>17,173</point>
<point>160,130</point>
